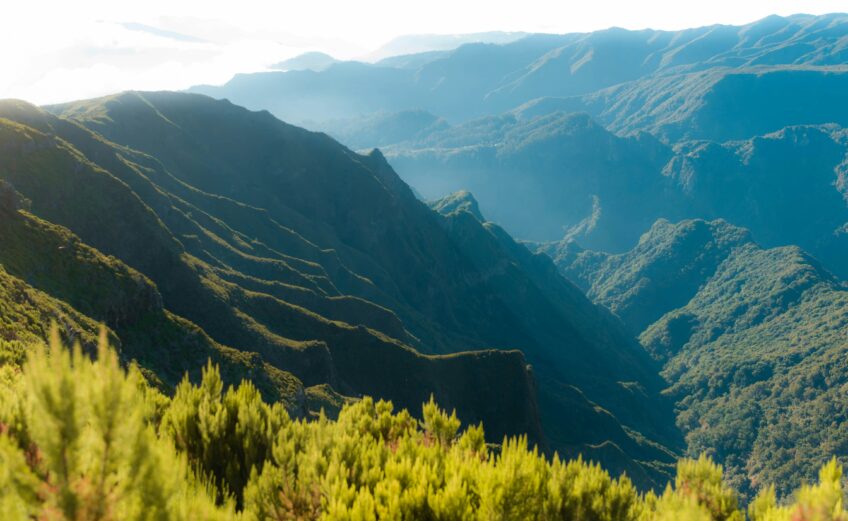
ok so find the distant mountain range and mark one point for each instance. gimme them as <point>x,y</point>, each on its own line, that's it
<point>426,43</point>
<point>490,78</point>
<point>743,123</point>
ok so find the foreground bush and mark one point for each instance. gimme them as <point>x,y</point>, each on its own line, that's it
<point>83,439</point>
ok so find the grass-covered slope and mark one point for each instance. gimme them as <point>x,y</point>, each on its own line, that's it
<point>242,292</point>
<point>752,342</point>
<point>26,317</point>
<point>440,285</point>
<point>103,289</point>
<point>280,241</point>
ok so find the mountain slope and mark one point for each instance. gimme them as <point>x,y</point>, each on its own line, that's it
<point>751,341</point>
<point>585,183</point>
<point>47,169</point>
<point>280,241</point>
<point>577,178</point>
<point>527,277</point>
<point>81,286</point>
<point>719,104</point>
<point>407,255</point>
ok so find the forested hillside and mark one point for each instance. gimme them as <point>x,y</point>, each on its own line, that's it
<point>752,341</point>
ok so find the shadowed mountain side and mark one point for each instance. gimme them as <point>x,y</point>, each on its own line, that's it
<point>46,168</point>
<point>280,241</point>
<point>524,278</point>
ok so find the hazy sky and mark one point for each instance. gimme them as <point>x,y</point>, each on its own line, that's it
<point>60,50</point>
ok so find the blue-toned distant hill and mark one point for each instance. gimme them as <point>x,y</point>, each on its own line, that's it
<point>486,78</point>
<point>743,123</point>
<point>563,175</point>
<point>308,61</point>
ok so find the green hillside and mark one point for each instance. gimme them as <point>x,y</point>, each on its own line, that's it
<point>751,340</point>
<point>280,242</point>
<point>318,350</point>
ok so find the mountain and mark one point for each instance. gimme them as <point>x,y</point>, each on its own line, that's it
<point>451,85</point>
<point>102,208</point>
<point>606,58</point>
<point>586,183</point>
<point>384,128</point>
<point>603,190</point>
<point>278,241</point>
<point>717,104</point>
<point>578,178</point>
<point>530,277</point>
<point>308,61</point>
<point>751,340</point>
<point>478,79</point>
<point>77,285</point>
<point>411,44</point>
<point>743,123</point>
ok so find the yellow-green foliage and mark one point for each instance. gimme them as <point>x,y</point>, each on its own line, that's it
<point>84,446</point>
<point>84,439</point>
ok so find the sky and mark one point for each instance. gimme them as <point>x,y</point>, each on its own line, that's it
<point>59,50</point>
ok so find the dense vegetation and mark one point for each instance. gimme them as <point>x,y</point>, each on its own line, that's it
<point>752,340</point>
<point>84,439</point>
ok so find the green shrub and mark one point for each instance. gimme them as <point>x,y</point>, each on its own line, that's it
<point>84,439</point>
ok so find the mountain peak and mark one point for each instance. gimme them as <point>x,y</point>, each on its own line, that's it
<point>460,201</point>
<point>308,61</point>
